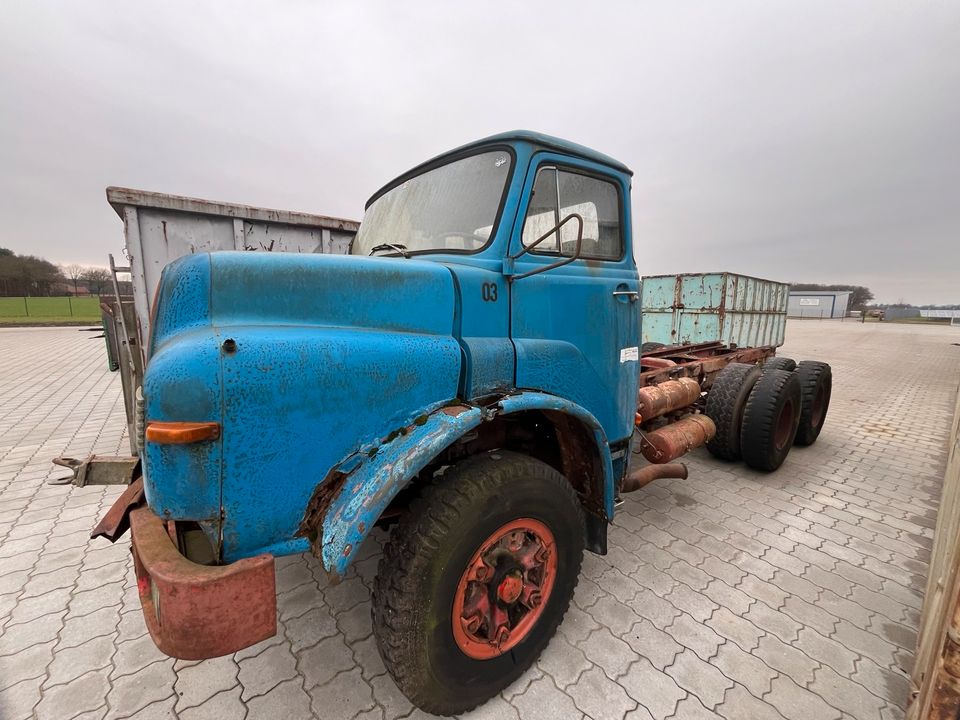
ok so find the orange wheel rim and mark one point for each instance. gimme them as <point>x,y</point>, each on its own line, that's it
<point>504,589</point>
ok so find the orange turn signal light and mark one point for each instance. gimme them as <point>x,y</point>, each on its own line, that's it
<point>181,433</point>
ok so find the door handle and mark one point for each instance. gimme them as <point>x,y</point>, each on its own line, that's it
<point>632,294</point>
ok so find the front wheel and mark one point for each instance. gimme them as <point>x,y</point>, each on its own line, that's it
<point>476,578</point>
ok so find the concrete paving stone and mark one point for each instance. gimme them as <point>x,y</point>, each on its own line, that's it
<point>71,663</point>
<point>744,668</point>
<point>626,561</point>
<point>865,643</point>
<point>40,583</point>
<point>587,593</point>
<point>131,626</point>
<point>696,604</point>
<point>221,706</point>
<point>653,644</point>
<point>846,695</point>
<point>321,662</point>
<point>653,579</point>
<point>684,572</point>
<point>158,710</point>
<point>577,625</point>
<point>29,663</point>
<point>34,608</point>
<point>599,697</point>
<point>797,703</point>
<point>18,700</point>
<point>78,630</point>
<point>723,570</point>
<point>699,678</point>
<point>367,657</point>
<point>890,684</point>
<point>739,704</point>
<point>826,651</point>
<point>787,659</point>
<point>310,628</point>
<point>612,613</point>
<point>622,587</point>
<point>690,708</point>
<point>17,638</point>
<point>829,580</point>
<point>263,672</point>
<point>773,621</point>
<point>563,662</point>
<point>345,696</point>
<point>609,652</point>
<point>132,655</point>
<point>740,630</point>
<point>82,694</point>
<point>810,615</point>
<point>695,636</point>
<point>654,690</point>
<point>289,701</point>
<point>130,693</point>
<point>754,565</point>
<point>757,589</point>
<point>196,684</point>
<point>355,623</point>
<point>726,596</point>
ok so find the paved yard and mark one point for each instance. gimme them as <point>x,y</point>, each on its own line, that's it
<point>730,594</point>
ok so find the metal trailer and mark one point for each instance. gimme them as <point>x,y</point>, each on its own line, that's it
<point>159,228</point>
<point>708,307</point>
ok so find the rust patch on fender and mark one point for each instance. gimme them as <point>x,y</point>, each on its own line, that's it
<point>320,502</point>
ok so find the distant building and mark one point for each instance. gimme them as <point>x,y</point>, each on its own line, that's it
<point>822,304</point>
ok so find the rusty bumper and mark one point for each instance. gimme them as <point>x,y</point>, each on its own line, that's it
<point>197,611</point>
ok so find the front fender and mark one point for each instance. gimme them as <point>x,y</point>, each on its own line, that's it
<point>366,483</point>
<point>371,481</point>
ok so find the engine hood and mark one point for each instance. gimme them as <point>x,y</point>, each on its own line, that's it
<point>284,289</point>
<point>304,360</point>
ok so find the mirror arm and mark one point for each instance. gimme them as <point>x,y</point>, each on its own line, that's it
<point>548,233</point>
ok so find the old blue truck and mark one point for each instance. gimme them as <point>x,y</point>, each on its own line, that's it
<point>469,376</point>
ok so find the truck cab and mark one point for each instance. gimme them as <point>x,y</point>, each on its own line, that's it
<point>467,376</point>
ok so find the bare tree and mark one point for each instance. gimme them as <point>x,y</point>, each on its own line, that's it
<point>97,278</point>
<point>74,273</point>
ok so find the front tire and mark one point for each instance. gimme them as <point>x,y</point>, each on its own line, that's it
<point>476,578</point>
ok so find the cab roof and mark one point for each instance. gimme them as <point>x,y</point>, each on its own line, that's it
<point>540,140</point>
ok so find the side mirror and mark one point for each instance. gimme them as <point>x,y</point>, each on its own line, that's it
<point>548,233</point>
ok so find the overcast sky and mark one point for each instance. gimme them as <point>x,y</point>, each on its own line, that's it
<point>803,141</point>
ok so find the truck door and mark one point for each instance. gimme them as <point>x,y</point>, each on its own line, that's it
<point>576,327</point>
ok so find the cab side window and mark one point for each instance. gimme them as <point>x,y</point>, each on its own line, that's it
<point>558,193</point>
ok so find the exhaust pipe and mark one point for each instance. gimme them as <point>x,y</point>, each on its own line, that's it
<point>646,475</point>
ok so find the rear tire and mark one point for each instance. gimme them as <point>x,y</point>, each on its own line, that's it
<point>816,384</point>
<point>430,569</point>
<point>779,363</point>
<point>725,402</point>
<point>651,346</point>
<point>770,420</point>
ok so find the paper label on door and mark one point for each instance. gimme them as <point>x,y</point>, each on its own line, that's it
<point>629,353</point>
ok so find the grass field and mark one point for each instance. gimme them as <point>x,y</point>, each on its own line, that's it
<point>49,310</point>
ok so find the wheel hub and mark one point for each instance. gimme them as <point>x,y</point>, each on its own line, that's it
<point>503,589</point>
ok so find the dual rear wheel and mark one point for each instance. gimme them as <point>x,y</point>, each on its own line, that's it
<point>762,411</point>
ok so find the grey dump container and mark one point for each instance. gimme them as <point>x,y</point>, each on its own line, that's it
<point>706,307</point>
<point>159,228</point>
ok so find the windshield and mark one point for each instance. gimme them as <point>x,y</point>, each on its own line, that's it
<point>452,207</point>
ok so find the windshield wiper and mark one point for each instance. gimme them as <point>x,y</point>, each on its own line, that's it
<point>396,247</point>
